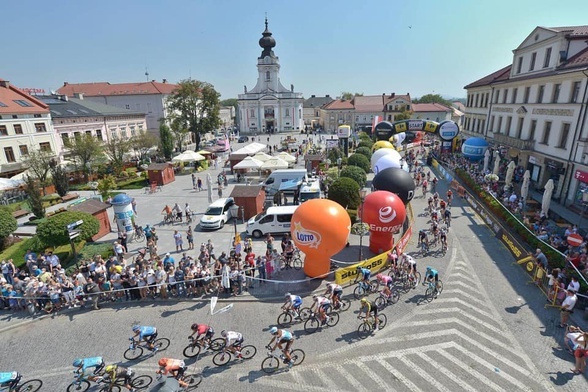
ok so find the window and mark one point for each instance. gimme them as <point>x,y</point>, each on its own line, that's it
<point>547,58</point>
<point>533,59</point>
<point>89,133</point>
<point>299,114</point>
<point>3,130</point>
<point>9,154</point>
<point>99,134</point>
<point>133,132</point>
<point>45,146</point>
<point>556,90</point>
<point>287,112</point>
<point>575,92</point>
<point>37,115</point>
<point>532,130</point>
<point>527,93</point>
<point>496,96</point>
<point>508,124</point>
<point>513,99</point>
<point>3,105</point>
<point>65,138</point>
<point>22,103</point>
<point>520,127</point>
<point>267,75</point>
<point>284,218</point>
<point>504,95</point>
<point>76,135</point>
<point>24,150</point>
<point>565,131</point>
<point>127,107</point>
<point>492,122</point>
<point>540,94</point>
<point>149,109</point>
<point>499,126</point>
<point>252,113</point>
<point>40,127</point>
<point>519,65</point>
<point>546,132</point>
<point>476,101</point>
<point>113,134</point>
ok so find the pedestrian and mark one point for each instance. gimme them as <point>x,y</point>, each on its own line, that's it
<point>190,238</point>
<point>261,269</point>
<point>199,182</point>
<point>118,251</point>
<point>220,191</point>
<point>193,181</point>
<point>134,206</point>
<point>122,239</point>
<point>179,242</point>
<point>93,292</point>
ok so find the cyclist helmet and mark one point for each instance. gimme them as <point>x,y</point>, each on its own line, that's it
<point>429,268</point>
<point>287,295</point>
<point>379,276</point>
<point>162,362</point>
<point>274,330</point>
<point>194,327</point>
<point>314,296</point>
<point>224,333</point>
<point>358,267</point>
<point>110,368</point>
<point>136,328</point>
<point>78,362</point>
<point>364,300</point>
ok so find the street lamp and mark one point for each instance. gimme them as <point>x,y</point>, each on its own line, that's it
<point>339,160</point>
<point>362,194</point>
<point>584,205</point>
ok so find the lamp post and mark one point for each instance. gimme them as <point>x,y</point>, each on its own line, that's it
<point>584,205</point>
<point>362,194</point>
<point>339,161</point>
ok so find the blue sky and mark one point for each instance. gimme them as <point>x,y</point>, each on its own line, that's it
<point>325,47</point>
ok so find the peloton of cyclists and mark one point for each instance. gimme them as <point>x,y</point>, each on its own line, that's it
<point>281,337</point>
<point>335,292</point>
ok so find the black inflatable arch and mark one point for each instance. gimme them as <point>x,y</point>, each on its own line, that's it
<point>446,130</point>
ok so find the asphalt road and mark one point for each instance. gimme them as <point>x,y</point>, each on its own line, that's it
<point>487,331</point>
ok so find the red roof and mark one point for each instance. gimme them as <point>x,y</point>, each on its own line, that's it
<point>105,88</point>
<point>501,74</point>
<point>574,31</point>
<point>9,94</point>
<point>369,103</point>
<point>578,60</point>
<point>429,107</point>
<point>339,104</point>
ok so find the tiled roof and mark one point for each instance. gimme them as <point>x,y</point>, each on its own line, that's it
<point>369,103</point>
<point>580,59</point>
<point>501,74</point>
<point>339,104</point>
<point>15,101</point>
<point>106,89</point>
<point>90,206</point>
<point>574,31</point>
<point>75,107</point>
<point>316,102</point>
<point>429,107</point>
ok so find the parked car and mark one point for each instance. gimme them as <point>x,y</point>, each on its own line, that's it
<point>243,139</point>
<point>217,214</point>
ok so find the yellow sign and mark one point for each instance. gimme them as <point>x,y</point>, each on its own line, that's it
<point>348,274</point>
<point>430,126</point>
<point>400,127</point>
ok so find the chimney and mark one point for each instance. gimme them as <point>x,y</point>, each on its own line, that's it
<point>63,97</point>
<point>313,96</point>
<point>164,80</point>
<point>153,80</point>
<point>79,95</point>
<point>383,99</point>
<point>4,83</point>
<point>65,84</point>
<point>393,95</point>
<point>328,96</point>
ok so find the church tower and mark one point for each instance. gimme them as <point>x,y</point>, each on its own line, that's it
<point>269,107</point>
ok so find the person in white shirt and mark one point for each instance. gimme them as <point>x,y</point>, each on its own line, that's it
<point>574,285</point>
<point>567,306</point>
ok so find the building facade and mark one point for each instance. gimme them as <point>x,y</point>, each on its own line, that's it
<point>269,106</point>
<point>337,112</point>
<point>431,111</point>
<point>25,125</point>
<point>535,109</point>
<point>311,111</point>
<point>143,97</point>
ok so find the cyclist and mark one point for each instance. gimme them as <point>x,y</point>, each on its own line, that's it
<point>293,302</point>
<point>148,334</point>
<point>178,211</point>
<point>435,199</point>
<point>423,240</point>
<point>167,212</point>
<point>204,334</point>
<point>431,274</point>
<point>409,264</point>
<point>369,307</point>
<point>443,238</point>
<point>115,372</point>
<point>322,303</point>
<point>435,231</point>
<point>335,290</point>
<point>281,336</point>
<point>233,341</point>
<point>393,258</point>
<point>442,205</point>
<point>434,184</point>
<point>83,364</point>
<point>449,197</point>
<point>10,380</point>
<point>176,367</point>
<point>388,282</point>
<point>447,217</point>
<point>425,187</point>
<point>430,204</point>
<point>365,274</point>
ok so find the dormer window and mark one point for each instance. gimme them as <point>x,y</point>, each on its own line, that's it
<point>533,59</point>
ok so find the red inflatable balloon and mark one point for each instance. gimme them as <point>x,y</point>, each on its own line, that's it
<point>320,228</point>
<point>384,212</point>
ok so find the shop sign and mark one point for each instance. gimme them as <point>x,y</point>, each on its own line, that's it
<point>532,160</point>
<point>581,176</point>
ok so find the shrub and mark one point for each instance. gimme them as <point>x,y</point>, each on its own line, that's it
<point>35,201</point>
<point>105,250</point>
<point>364,151</point>
<point>345,191</point>
<point>53,232</point>
<point>334,154</point>
<point>105,185</point>
<point>359,160</point>
<point>17,251</point>
<point>356,173</point>
<point>366,143</point>
<point>132,183</point>
<point>7,223</point>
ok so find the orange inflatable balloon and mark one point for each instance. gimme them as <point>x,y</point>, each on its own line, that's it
<point>320,228</point>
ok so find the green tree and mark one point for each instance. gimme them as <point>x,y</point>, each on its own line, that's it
<point>166,141</point>
<point>365,143</point>
<point>105,185</point>
<point>60,179</point>
<point>142,143</point>
<point>364,151</point>
<point>356,173</point>
<point>115,149</point>
<point>234,102</point>
<point>196,105</point>
<point>403,116</point>
<point>35,199</point>
<point>53,231</point>
<point>433,98</point>
<point>39,165</point>
<point>179,133</point>
<point>7,224</point>
<point>85,149</point>
<point>345,191</point>
<point>347,95</point>
<point>360,161</point>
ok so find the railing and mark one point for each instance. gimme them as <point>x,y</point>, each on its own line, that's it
<point>514,142</point>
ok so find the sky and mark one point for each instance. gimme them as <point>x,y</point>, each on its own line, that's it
<point>325,47</point>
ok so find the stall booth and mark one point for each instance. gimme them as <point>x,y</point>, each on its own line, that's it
<point>250,198</point>
<point>161,173</point>
<point>97,209</point>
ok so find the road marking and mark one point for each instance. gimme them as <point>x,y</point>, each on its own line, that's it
<point>453,377</point>
<point>422,373</point>
<point>372,375</point>
<point>350,379</point>
<point>474,373</point>
<point>409,384</point>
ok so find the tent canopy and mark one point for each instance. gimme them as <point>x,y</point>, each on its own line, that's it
<point>251,149</point>
<point>248,163</point>
<point>188,156</point>
<point>275,163</point>
<point>262,156</point>
<point>287,157</point>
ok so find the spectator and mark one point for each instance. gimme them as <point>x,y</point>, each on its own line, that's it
<point>179,241</point>
<point>93,291</point>
<point>567,307</point>
<point>540,259</point>
<point>122,239</point>
<point>574,285</point>
<point>168,261</point>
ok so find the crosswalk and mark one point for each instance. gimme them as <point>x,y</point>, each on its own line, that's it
<point>458,342</point>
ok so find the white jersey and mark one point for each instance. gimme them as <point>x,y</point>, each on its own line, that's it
<point>232,337</point>
<point>409,260</point>
<point>322,301</point>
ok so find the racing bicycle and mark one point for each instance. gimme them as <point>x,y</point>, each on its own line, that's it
<point>272,362</point>
<point>135,349</point>
<point>290,316</point>
<point>223,357</point>
<point>27,386</point>
<point>368,325</point>
<point>193,349</point>
<point>314,323</point>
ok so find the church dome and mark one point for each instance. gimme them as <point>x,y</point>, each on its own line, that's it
<point>267,42</point>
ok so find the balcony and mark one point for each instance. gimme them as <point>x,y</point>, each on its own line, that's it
<point>522,145</point>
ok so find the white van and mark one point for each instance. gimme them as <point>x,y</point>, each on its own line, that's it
<point>310,189</point>
<point>274,220</point>
<point>287,180</point>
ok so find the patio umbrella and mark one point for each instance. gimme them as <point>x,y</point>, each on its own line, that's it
<point>248,163</point>
<point>209,187</point>
<point>509,173</point>
<point>546,200</point>
<point>262,156</point>
<point>204,152</point>
<point>193,155</point>
<point>486,161</point>
<point>496,162</point>
<point>274,163</point>
<point>287,157</point>
<point>525,186</point>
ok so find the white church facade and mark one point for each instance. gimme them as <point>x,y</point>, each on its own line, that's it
<point>269,107</point>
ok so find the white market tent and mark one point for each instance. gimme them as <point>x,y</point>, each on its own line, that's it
<point>287,157</point>
<point>250,149</point>
<point>262,156</point>
<point>9,184</point>
<point>248,163</point>
<point>188,156</point>
<point>274,163</point>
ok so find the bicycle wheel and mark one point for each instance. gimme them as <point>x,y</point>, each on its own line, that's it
<point>395,296</point>
<point>297,263</point>
<point>108,388</point>
<point>345,304</point>
<point>284,319</point>
<point>191,350</point>
<point>439,286</point>
<point>141,382</point>
<point>380,302</point>
<point>217,344</point>
<point>248,352</point>
<point>193,380</point>
<point>30,386</point>
<point>416,279</point>
<point>305,314</point>
<point>270,364</point>
<point>221,358</point>
<point>374,285</point>
<point>311,325</point>
<point>382,321</point>
<point>429,294</point>
<point>132,354</point>
<point>364,330</point>
<point>297,356</point>
<point>359,292</point>
<point>333,319</point>
<point>161,344</point>
<point>82,386</point>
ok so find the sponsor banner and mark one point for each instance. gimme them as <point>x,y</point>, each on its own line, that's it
<point>510,243</point>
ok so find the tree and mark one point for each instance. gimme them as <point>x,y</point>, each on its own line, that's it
<point>166,141</point>
<point>115,149</point>
<point>105,185</point>
<point>403,116</point>
<point>433,98</point>
<point>346,95</point>
<point>364,151</point>
<point>39,165</point>
<point>7,224</point>
<point>356,173</point>
<point>60,179</point>
<point>196,105</point>
<point>345,191</point>
<point>360,161</point>
<point>234,102</point>
<point>53,231</point>
<point>35,200</point>
<point>85,149</point>
<point>179,133</point>
<point>142,143</point>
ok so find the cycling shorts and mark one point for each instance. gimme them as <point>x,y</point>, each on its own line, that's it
<point>210,333</point>
<point>325,306</point>
<point>390,284</point>
<point>337,293</point>
<point>237,342</point>
<point>297,303</point>
<point>150,338</point>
